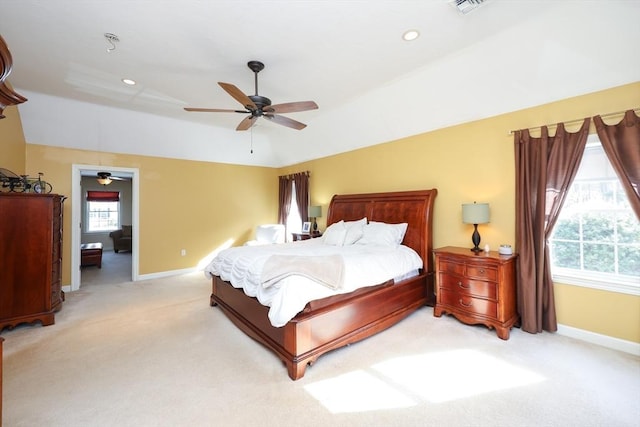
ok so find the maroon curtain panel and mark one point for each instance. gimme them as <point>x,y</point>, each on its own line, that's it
<point>302,194</point>
<point>621,142</point>
<point>545,168</point>
<point>284,199</point>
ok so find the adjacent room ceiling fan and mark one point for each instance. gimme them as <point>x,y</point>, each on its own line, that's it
<point>259,106</point>
<point>105,178</point>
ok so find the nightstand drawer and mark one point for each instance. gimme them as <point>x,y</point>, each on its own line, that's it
<point>469,304</point>
<point>464,286</point>
<point>482,272</point>
<point>447,266</point>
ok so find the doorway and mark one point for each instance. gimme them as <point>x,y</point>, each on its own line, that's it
<point>77,194</point>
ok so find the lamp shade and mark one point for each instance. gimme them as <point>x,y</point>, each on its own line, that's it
<point>315,211</point>
<point>475,213</point>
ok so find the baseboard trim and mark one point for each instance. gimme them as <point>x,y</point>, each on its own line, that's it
<point>169,273</point>
<point>159,275</point>
<point>599,339</point>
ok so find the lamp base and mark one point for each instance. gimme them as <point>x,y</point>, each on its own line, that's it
<point>475,238</point>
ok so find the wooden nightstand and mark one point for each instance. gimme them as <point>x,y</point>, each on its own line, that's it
<point>477,288</point>
<point>305,236</point>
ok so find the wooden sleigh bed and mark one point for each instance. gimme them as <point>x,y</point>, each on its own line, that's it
<point>335,321</point>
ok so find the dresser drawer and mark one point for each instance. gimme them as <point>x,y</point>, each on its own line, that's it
<point>468,304</point>
<point>470,287</point>
<point>481,272</point>
<point>449,266</point>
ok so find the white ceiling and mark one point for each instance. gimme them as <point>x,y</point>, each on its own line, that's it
<point>347,55</point>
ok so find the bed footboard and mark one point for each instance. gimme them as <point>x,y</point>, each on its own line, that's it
<point>314,332</point>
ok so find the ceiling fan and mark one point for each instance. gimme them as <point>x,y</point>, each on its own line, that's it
<point>105,178</point>
<point>259,106</point>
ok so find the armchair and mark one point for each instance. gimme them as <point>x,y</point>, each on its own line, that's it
<point>121,239</point>
<point>268,234</point>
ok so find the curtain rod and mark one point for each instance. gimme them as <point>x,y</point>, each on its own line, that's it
<point>604,116</point>
<point>291,175</point>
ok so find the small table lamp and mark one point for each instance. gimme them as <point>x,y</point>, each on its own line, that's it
<point>475,213</point>
<point>315,212</point>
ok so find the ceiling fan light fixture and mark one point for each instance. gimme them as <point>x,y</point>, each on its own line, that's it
<point>104,178</point>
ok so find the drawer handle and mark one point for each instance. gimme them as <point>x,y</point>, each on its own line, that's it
<point>465,305</point>
<point>481,271</point>
<point>462,286</point>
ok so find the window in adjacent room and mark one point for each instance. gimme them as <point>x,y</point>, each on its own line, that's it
<point>596,240</point>
<point>103,211</point>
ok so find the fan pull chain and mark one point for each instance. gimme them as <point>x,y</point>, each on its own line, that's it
<point>251,139</point>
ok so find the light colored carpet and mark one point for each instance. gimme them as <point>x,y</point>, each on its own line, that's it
<point>154,353</point>
<point>116,268</point>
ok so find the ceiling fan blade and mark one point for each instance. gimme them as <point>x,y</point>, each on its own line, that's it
<point>285,121</point>
<point>238,95</point>
<point>213,110</point>
<point>291,107</point>
<point>247,122</point>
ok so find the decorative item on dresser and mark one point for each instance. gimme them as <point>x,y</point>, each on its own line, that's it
<point>477,288</point>
<point>30,258</point>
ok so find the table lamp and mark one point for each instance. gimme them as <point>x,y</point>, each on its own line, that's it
<point>475,213</point>
<point>315,212</point>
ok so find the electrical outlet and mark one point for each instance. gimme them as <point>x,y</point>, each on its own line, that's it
<point>183,252</point>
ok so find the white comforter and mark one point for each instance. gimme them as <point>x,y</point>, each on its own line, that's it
<point>364,265</point>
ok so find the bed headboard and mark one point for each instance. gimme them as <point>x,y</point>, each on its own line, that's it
<point>413,207</point>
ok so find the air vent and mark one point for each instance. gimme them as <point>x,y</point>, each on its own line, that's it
<point>466,6</point>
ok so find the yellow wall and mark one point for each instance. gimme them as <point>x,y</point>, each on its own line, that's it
<point>475,161</point>
<point>198,206</point>
<point>12,143</point>
<point>190,205</point>
<point>606,313</point>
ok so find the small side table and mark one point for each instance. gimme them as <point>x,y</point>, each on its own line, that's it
<point>91,254</point>
<point>305,236</point>
<point>477,288</point>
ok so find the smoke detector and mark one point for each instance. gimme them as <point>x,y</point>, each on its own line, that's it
<point>466,6</point>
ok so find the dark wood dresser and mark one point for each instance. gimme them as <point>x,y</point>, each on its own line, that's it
<point>30,258</point>
<point>477,288</point>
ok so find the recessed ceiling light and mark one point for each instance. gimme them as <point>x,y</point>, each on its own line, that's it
<point>129,82</point>
<point>410,35</point>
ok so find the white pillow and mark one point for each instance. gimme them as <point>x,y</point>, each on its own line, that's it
<point>335,234</point>
<point>354,230</point>
<point>380,233</point>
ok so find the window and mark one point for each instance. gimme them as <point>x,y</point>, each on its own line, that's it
<point>294,222</point>
<point>103,211</point>
<point>596,240</point>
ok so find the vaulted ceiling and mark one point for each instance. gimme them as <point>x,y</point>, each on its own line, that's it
<point>348,56</point>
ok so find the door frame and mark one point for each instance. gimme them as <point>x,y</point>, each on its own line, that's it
<point>77,172</point>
